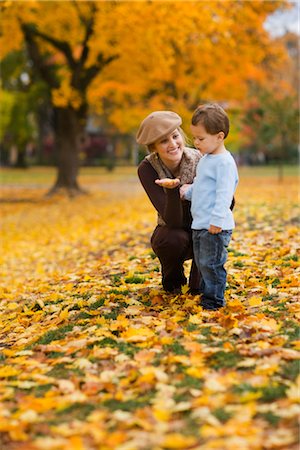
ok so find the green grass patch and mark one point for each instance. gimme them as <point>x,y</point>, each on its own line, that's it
<point>41,390</point>
<point>61,371</point>
<point>135,279</point>
<point>124,347</point>
<point>54,335</point>
<point>235,252</point>
<point>119,292</point>
<point>291,329</point>
<point>290,370</point>
<point>269,417</point>
<point>190,382</point>
<point>129,405</point>
<point>244,388</point>
<point>84,315</point>
<point>192,327</point>
<point>46,175</point>
<point>224,359</point>
<point>176,348</point>
<point>222,415</point>
<point>113,314</point>
<point>116,279</point>
<point>54,355</point>
<point>273,392</point>
<point>238,264</point>
<point>77,411</point>
<point>291,258</point>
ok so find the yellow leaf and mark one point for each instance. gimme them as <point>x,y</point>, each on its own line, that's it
<point>63,314</point>
<point>255,301</point>
<point>195,319</point>
<point>249,397</point>
<point>197,372</point>
<point>40,303</point>
<point>176,440</point>
<point>8,371</point>
<point>12,305</point>
<point>76,443</point>
<point>165,340</point>
<point>163,415</point>
<point>268,324</point>
<point>138,334</point>
<point>185,289</point>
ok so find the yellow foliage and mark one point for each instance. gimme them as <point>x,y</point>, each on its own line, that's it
<point>90,359</point>
<point>173,62</point>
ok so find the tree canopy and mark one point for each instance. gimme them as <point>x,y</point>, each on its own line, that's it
<point>129,56</point>
<point>122,59</point>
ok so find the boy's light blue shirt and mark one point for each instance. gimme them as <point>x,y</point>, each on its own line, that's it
<point>212,191</point>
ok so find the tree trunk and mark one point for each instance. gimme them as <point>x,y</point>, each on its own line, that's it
<point>67,134</point>
<point>21,162</point>
<point>280,169</point>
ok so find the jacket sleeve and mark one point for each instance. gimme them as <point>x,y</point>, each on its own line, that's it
<point>167,202</point>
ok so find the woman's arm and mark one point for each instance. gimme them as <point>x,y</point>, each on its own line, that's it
<point>166,201</point>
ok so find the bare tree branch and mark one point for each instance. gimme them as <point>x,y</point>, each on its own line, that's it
<point>45,71</point>
<point>62,46</point>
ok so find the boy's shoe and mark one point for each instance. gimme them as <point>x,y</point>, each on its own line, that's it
<point>209,306</point>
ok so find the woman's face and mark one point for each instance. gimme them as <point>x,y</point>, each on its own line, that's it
<point>170,148</point>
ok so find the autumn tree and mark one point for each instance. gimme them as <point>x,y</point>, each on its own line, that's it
<point>122,59</point>
<point>58,46</point>
<point>271,114</point>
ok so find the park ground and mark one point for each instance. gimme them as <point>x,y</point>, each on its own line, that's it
<point>94,354</point>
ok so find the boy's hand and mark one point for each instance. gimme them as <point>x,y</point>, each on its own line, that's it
<point>183,190</point>
<point>168,183</point>
<point>214,230</point>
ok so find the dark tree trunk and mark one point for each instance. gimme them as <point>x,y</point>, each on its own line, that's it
<point>67,135</point>
<point>21,162</point>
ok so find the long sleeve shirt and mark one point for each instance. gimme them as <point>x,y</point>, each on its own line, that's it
<point>212,191</point>
<point>175,212</point>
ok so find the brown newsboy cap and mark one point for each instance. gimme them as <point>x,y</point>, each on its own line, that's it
<point>157,125</point>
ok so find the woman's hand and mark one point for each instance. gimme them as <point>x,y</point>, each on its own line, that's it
<point>169,183</point>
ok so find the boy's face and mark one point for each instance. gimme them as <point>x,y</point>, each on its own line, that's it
<point>207,143</point>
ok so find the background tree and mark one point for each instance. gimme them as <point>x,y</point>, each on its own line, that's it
<point>20,127</point>
<point>271,116</point>
<point>100,56</point>
<point>271,124</point>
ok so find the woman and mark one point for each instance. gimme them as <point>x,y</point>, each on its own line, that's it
<point>169,158</point>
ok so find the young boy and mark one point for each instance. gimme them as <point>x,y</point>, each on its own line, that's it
<point>211,195</point>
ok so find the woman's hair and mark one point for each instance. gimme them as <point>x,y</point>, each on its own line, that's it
<point>151,147</point>
<point>213,117</point>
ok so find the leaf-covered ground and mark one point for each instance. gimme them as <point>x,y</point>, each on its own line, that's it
<point>94,355</point>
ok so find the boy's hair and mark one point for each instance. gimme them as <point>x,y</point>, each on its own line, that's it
<point>213,117</point>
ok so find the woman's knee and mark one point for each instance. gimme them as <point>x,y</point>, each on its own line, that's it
<point>170,238</point>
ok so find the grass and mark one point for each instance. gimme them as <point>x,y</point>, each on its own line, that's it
<point>45,176</point>
<point>139,360</point>
<point>40,176</point>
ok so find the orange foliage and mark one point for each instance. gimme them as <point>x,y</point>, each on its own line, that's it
<point>95,355</point>
<point>179,54</point>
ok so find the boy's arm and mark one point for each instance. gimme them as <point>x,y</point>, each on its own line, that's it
<point>186,191</point>
<point>225,187</point>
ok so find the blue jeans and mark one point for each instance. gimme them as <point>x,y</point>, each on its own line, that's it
<point>210,255</point>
